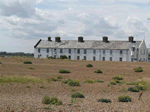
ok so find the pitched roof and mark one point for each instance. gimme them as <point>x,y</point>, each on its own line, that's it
<point>87,44</point>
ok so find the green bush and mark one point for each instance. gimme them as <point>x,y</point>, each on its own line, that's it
<point>124,98</point>
<point>137,88</point>
<point>66,81</point>
<point>54,79</point>
<point>59,77</point>
<point>113,82</point>
<point>98,71</point>
<point>117,77</point>
<point>104,100</point>
<point>27,62</point>
<point>89,65</point>
<point>51,57</point>
<point>77,95</point>
<point>139,69</point>
<point>53,100</point>
<point>123,90</point>
<point>74,83</point>
<point>63,57</point>
<point>0,62</point>
<point>46,100</point>
<point>31,68</point>
<point>99,81</point>
<point>64,71</point>
<point>89,81</point>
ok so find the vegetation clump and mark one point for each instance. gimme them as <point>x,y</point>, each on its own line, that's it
<point>27,62</point>
<point>0,62</point>
<point>105,100</point>
<point>113,82</point>
<point>89,81</point>
<point>74,83</point>
<point>117,77</point>
<point>98,71</point>
<point>124,98</point>
<point>99,81</point>
<point>77,95</point>
<point>137,88</point>
<point>63,57</point>
<point>64,71</point>
<point>66,81</point>
<point>31,68</point>
<point>52,100</point>
<point>51,57</point>
<point>139,69</point>
<point>59,77</point>
<point>89,65</point>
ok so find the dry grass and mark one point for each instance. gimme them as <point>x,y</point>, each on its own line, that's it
<point>19,97</point>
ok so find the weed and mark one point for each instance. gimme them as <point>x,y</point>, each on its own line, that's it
<point>124,98</point>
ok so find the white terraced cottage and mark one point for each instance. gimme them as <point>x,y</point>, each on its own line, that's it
<point>96,50</point>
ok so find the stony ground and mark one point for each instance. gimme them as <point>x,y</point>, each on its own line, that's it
<point>18,98</point>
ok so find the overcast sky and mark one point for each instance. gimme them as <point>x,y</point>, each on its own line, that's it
<point>24,22</point>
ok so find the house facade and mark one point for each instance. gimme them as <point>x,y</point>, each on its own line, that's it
<point>96,50</point>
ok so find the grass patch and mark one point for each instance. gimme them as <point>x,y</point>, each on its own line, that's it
<point>113,82</point>
<point>98,71</point>
<point>74,83</point>
<point>99,81</point>
<point>31,68</point>
<point>64,71</point>
<point>89,81</point>
<point>52,100</point>
<point>104,100</point>
<point>77,95</point>
<point>124,98</point>
<point>123,90</point>
<point>27,62</point>
<point>59,77</point>
<point>137,83</point>
<point>18,79</point>
<point>42,86</point>
<point>89,65</point>
<point>66,81</point>
<point>118,77</point>
<point>138,69</point>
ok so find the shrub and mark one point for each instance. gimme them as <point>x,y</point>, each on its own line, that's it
<point>99,81</point>
<point>139,69</point>
<point>31,68</point>
<point>98,71</point>
<point>51,57</point>
<point>42,86</point>
<point>0,62</point>
<point>77,95</point>
<point>133,89</point>
<point>64,71</point>
<point>27,62</point>
<point>124,98</point>
<point>89,65</point>
<point>113,82</point>
<point>66,81</point>
<point>73,83</point>
<point>104,100</point>
<point>59,77</point>
<point>63,57</point>
<point>123,90</point>
<point>89,81</point>
<point>46,100</point>
<point>117,77</point>
<point>54,79</point>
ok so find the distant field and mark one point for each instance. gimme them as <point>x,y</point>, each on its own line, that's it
<point>23,86</point>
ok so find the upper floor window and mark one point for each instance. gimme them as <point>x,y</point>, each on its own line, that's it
<point>84,51</point>
<point>111,51</point>
<point>61,50</point>
<point>39,50</point>
<point>94,51</point>
<point>103,51</point>
<point>120,51</point>
<point>47,50</point>
<point>78,51</point>
<point>69,51</point>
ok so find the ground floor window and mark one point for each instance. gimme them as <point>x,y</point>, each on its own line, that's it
<point>78,57</point>
<point>47,56</point>
<point>120,59</point>
<point>69,57</point>
<point>54,56</point>
<point>38,56</point>
<point>110,58</point>
<point>131,59</point>
<point>84,57</point>
<point>103,58</point>
<point>93,58</point>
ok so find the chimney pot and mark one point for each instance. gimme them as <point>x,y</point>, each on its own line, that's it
<point>131,38</point>
<point>49,39</point>
<point>57,39</point>
<point>105,39</point>
<point>80,39</point>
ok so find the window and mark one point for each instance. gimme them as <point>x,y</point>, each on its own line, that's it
<point>78,57</point>
<point>110,58</point>
<point>54,56</point>
<point>61,51</point>
<point>132,59</point>
<point>111,51</point>
<point>103,51</point>
<point>120,59</point>
<point>38,56</point>
<point>47,56</point>
<point>94,51</point>
<point>120,51</point>
<point>84,51</point>
<point>38,50</point>
<point>69,57</point>
<point>47,50</point>
<point>93,58</point>
<point>133,48</point>
<point>78,51</point>
<point>103,58</point>
<point>69,51</point>
<point>84,57</point>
